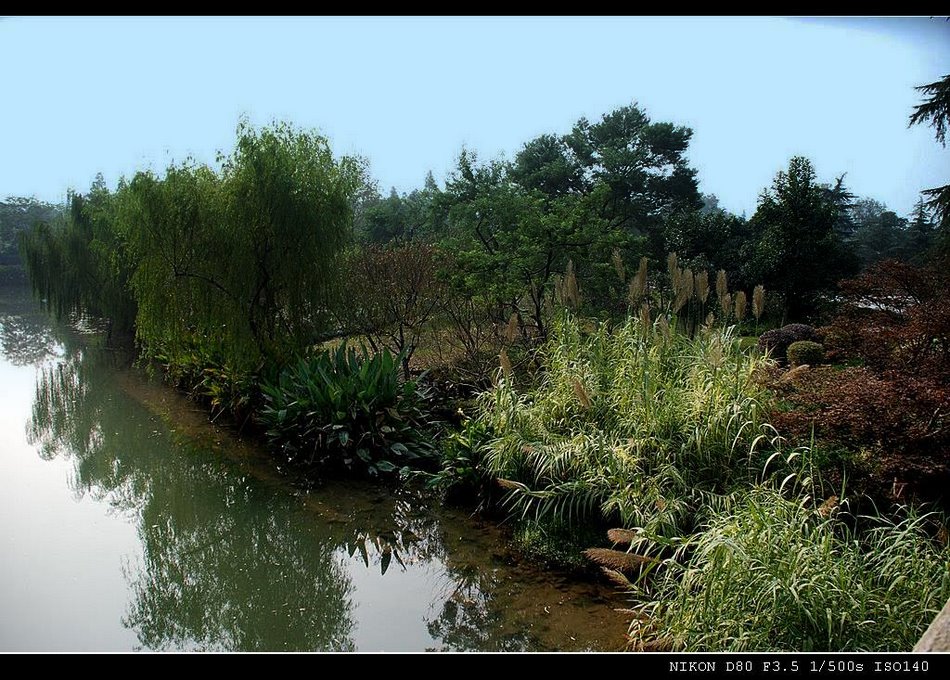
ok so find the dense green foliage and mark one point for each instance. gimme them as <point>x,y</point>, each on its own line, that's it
<point>935,110</point>
<point>274,218</point>
<point>77,262</point>
<point>797,253</point>
<point>346,409</point>
<point>618,399</point>
<point>235,259</point>
<point>805,352</point>
<point>18,214</point>
<point>597,194</point>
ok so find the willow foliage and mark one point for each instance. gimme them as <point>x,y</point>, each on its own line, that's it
<point>234,260</point>
<point>77,263</point>
<point>239,259</point>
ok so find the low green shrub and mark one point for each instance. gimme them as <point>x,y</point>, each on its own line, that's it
<point>805,352</point>
<point>347,409</point>
<point>208,377</point>
<point>777,341</point>
<point>461,474</point>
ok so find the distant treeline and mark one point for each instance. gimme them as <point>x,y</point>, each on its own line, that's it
<point>281,244</point>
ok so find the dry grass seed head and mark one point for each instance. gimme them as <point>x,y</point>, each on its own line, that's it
<point>740,305</point>
<point>617,261</point>
<point>702,286</point>
<point>758,301</point>
<point>722,285</point>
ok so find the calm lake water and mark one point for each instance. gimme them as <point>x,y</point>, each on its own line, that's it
<point>129,522</point>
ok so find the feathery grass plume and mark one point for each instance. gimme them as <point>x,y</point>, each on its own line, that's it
<point>828,506</point>
<point>686,281</point>
<point>722,285</point>
<point>716,352</point>
<point>682,288</point>
<point>572,294</point>
<point>506,367</point>
<point>672,266</point>
<point>581,393</point>
<point>558,289</point>
<point>617,261</point>
<point>725,302</point>
<point>740,305</point>
<point>661,646</point>
<point>680,299</point>
<point>665,331</point>
<point>758,301</point>
<point>702,286</point>
<point>616,578</point>
<point>618,560</point>
<point>511,332</point>
<point>638,284</point>
<point>622,536</point>
<point>645,317</point>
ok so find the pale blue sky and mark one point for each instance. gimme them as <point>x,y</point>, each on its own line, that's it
<point>83,95</point>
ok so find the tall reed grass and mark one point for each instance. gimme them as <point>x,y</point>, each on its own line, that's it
<point>634,423</point>
<point>770,573</point>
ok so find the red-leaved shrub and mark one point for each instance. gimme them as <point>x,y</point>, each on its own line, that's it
<point>895,408</point>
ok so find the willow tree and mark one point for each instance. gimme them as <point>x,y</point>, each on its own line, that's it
<point>239,260</point>
<point>77,263</point>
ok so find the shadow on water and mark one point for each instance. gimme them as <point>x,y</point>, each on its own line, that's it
<point>235,555</point>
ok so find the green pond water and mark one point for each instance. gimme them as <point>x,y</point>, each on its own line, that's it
<point>128,521</point>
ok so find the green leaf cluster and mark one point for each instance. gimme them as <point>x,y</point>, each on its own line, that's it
<point>347,409</point>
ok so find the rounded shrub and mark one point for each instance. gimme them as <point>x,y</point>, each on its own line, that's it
<point>778,340</point>
<point>805,352</point>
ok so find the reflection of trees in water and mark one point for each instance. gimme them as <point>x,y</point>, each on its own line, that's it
<point>225,569</point>
<point>231,562</point>
<point>26,339</point>
<point>224,564</point>
<point>78,414</point>
<point>30,336</point>
<point>470,620</point>
<point>399,531</point>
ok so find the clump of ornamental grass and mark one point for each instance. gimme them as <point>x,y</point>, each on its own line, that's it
<point>773,573</point>
<point>634,423</point>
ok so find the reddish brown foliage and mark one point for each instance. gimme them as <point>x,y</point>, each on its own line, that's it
<point>855,407</point>
<point>895,320</point>
<point>896,316</point>
<point>902,420</point>
<point>390,295</point>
